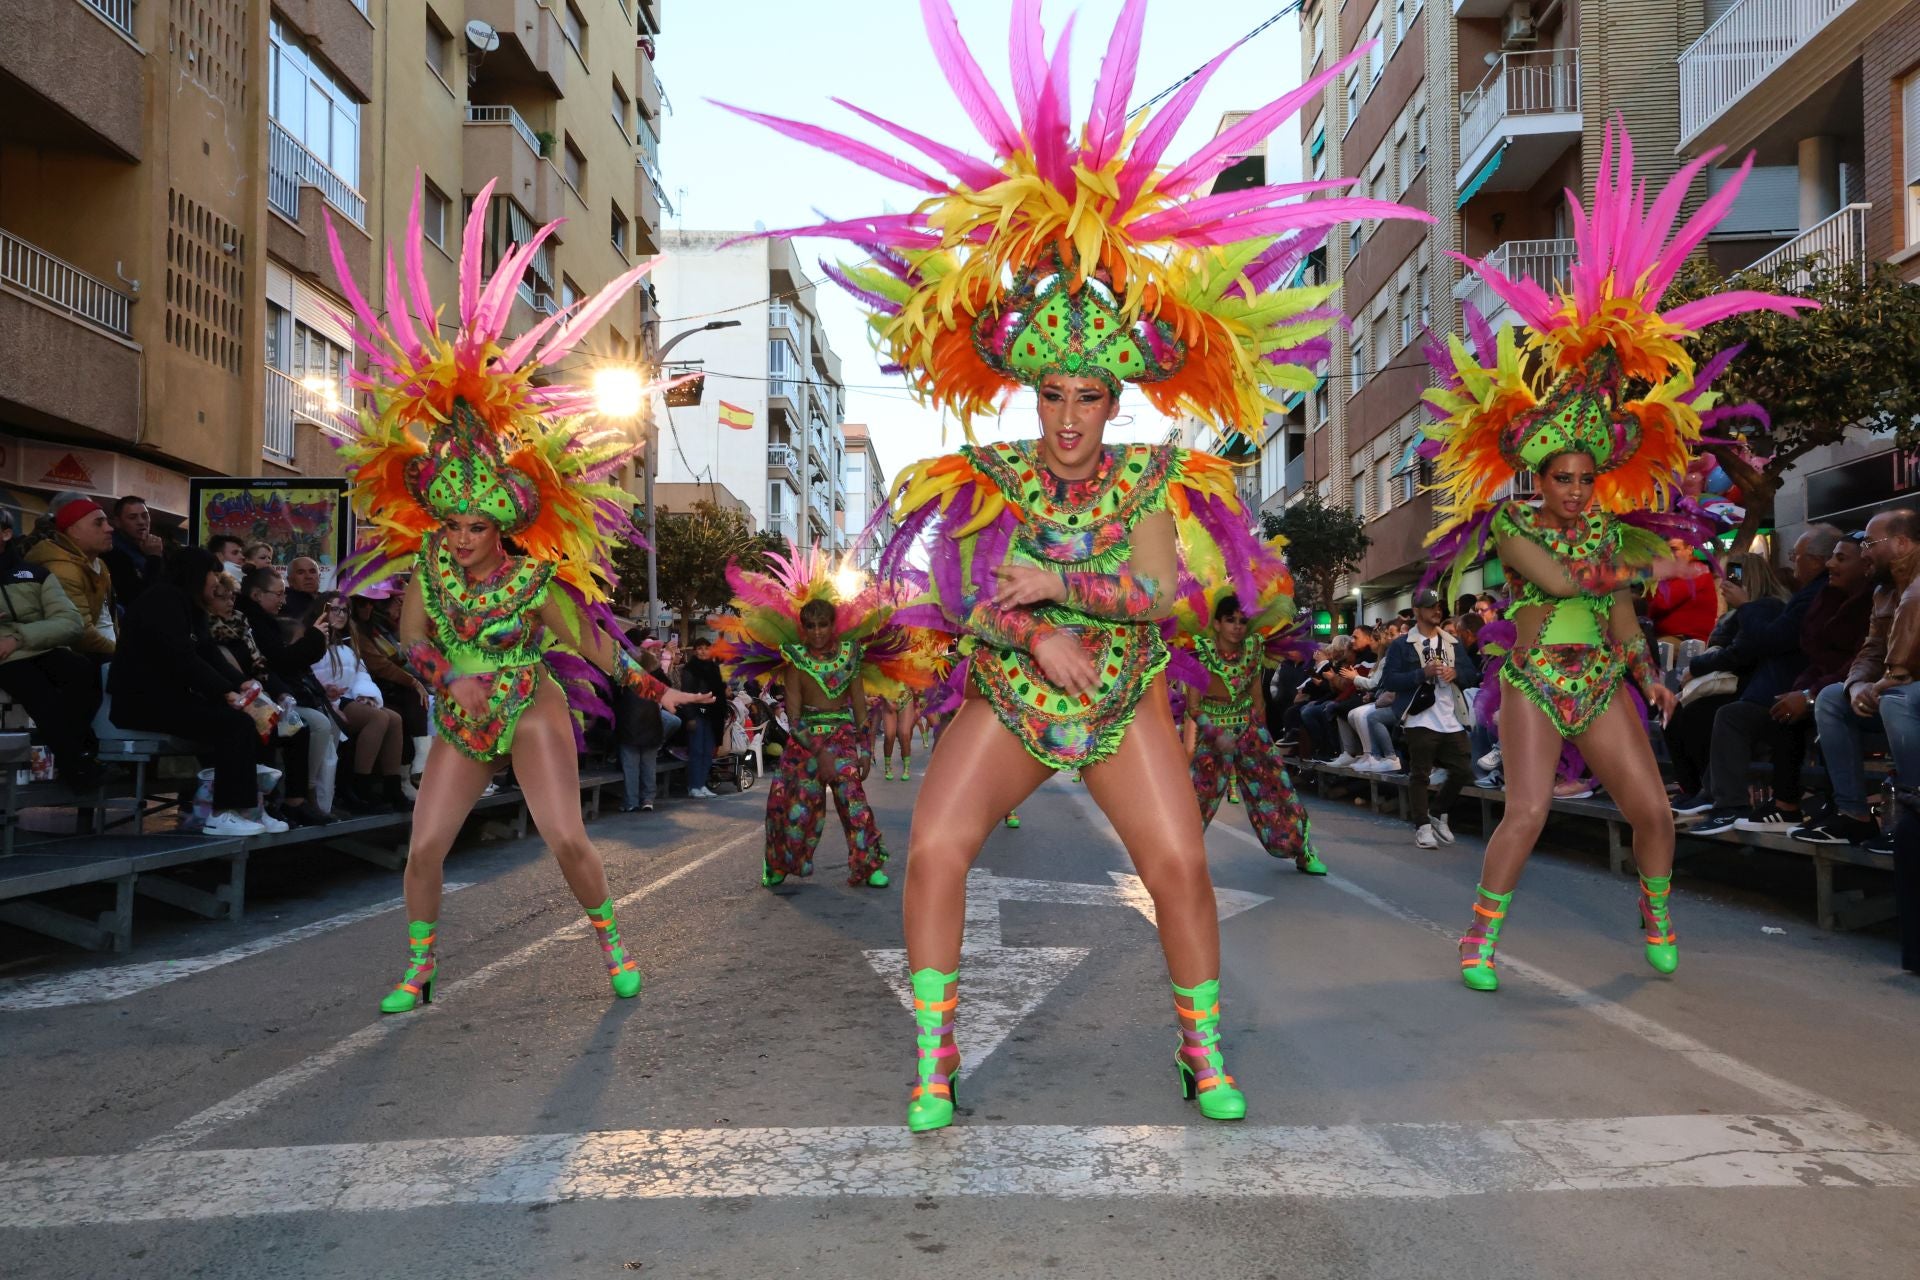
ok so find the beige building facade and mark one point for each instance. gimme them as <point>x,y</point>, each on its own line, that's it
<point>167,298</point>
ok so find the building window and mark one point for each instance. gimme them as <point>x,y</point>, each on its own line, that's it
<point>1353,95</point>
<point>575,27</point>
<point>1402,172</point>
<point>1383,491</point>
<point>307,101</point>
<point>319,363</point>
<point>1319,39</point>
<point>1910,146</point>
<point>1377,60</point>
<point>569,291</point>
<point>573,166</point>
<point>1357,365</point>
<point>1382,342</point>
<point>439,49</point>
<point>1322,408</point>
<point>1424,287</point>
<point>619,229</point>
<point>1420,137</point>
<point>620,108</point>
<point>1404,307</point>
<point>1360,495</point>
<point>1399,20</point>
<point>277,320</point>
<point>1355,234</point>
<point>434,209</point>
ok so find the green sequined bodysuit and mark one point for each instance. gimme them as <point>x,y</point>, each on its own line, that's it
<point>832,675</point>
<point>1235,711</point>
<point>490,629</point>
<point>1571,668</point>
<point>1084,526</point>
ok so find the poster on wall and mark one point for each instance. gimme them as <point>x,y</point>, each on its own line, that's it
<point>295,517</point>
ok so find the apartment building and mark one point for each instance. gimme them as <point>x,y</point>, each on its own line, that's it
<point>769,428</point>
<point>1482,113</point>
<point>865,482</point>
<point>166,294</point>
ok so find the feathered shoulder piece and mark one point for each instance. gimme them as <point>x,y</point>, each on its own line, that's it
<point>1270,611</point>
<point>755,641</point>
<point>1084,250</point>
<point>456,424</point>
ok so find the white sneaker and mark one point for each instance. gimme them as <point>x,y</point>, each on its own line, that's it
<point>273,825</point>
<point>1384,764</point>
<point>1342,760</point>
<point>1425,838</point>
<point>701,793</point>
<point>1442,828</point>
<point>1437,778</point>
<point>1490,761</point>
<point>229,823</point>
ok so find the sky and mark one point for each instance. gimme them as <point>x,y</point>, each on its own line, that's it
<point>773,56</point>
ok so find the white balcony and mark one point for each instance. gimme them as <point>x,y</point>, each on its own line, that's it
<point>291,166</point>
<point>477,114</point>
<point>1520,119</point>
<point>783,457</point>
<point>1839,242</point>
<point>1545,262</point>
<point>33,271</point>
<point>1793,47</point>
<point>291,400</point>
<point>120,13</point>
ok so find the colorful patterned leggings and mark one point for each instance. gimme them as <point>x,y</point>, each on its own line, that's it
<point>813,764</point>
<point>1247,752</point>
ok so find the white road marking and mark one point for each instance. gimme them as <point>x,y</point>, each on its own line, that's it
<point>1387,1161</point>
<point>1003,984</point>
<point>96,986</point>
<point>195,1128</point>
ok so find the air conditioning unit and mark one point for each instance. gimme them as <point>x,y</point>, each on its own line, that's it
<point>1516,29</point>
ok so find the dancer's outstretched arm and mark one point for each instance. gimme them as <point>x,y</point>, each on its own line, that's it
<point>599,648</point>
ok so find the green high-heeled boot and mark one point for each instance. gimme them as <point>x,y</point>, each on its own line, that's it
<point>622,973</point>
<point>416,985</point>
<point>931,1105</point>
<point>1203,1073</point>
<point>1013,820</point>
<point>1476,970</point>
<point>769,877</point>
<point>1663,951</point>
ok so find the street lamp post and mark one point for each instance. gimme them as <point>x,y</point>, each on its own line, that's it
<point>653,466</point>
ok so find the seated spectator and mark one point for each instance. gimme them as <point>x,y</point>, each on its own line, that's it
<point>229,550</point>
<point>1337,696</point>
<point>1283,682</point>
<point>228,644</point>
<point>81,535</point>
<point>290,650</point>
<point>137,559</point>
<point>641,728</point>
<point>1744,638</point>
<point>1686,607</point>
<point>1774,711</point>
<point>376,732</point>
<point>378,644</point>
<point>1849,709</point>
<point>59,688</point>
<point>303,587</point>
<point>256,555</point>
<point>164,684</point>
<point>1366,732</point>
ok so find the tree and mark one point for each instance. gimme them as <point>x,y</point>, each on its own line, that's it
<point>1323,542</point>
<point>1852,365</point>
<point>695,548</point>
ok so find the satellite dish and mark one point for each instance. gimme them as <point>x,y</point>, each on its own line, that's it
<point>482,36</point>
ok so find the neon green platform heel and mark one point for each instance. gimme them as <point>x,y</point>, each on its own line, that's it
<point>1203,1072</point>
<point>1309,864</point>
<point>416,986</point>
<point>622,973</point>
<point>1663,951</point>
<point>931,1106</point>
<point>1013,820</point>
<point>1476,967</point>
<point>769,877</point>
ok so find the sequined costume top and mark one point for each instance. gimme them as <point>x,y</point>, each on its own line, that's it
<point>833,675</point>
<point>1235,711</point>
<point>491,629</point>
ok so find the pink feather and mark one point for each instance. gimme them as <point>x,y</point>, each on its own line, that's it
<point>1699,314</point>
<point>1027,53</point>
<point>1223,150</point>
<point>416,268</point>
<point>1535,305</point>
<point>1194,214</point>
<point>1107,124</point>
<point>1157,136</point>
<point>969,83</point>
<point>471,262</point>
<point>839,144</point>
<point>345,274</point>
<point>975,173</point>
<point>397,317</point>
<point>589,314</point>
<point>1312,213</point>
<point>1052,154</point>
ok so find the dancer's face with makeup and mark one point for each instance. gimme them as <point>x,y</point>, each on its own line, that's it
<point>1566,486</point>
<point>473,541</point>
<point>1074,413</point>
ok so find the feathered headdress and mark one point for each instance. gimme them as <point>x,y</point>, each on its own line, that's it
<point>1600,369</point>
<point>753,642</point>
<point>1078,251</point>
<point>457,425</point>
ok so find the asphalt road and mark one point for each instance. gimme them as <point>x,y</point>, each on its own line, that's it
<point>227,1101</point>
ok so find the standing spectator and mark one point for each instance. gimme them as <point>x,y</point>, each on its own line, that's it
<point>59,688</point>
<point>1847,710</point>
<point>376,731</point>
<point>641,728</point>
<point>81,535</point>
<point>1828,619</point>
<point>256,555</point>
<point>163,684</point>
<point>705,722</point>
<point>1686,607</point>
<point>137,560</point>
<point>1428,669</point>
<point>1755,630</point>
<point>303,587</point>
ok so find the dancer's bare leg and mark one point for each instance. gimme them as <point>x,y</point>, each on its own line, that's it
<point>1145,791</point>
<point>446,796</point>
<point>1621,760</point>
<point>548,769</point>
<point>1529,752</point>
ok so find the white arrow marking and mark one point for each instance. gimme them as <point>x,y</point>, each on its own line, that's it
<point>1001,985</point>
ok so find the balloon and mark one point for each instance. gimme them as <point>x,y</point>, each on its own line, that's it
<point>1733,494</point>
<point>1718,481</point>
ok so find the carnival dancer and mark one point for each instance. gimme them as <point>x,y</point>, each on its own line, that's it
<point>1228,739</point>
<point>1601,402</point>
<point>457,453</point>
<point>832,645</point>
<point>1071,264</point>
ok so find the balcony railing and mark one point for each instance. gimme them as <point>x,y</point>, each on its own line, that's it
<point>1543,82</point>
<point>290,400</point>
<point>290,165</point>
<point>782,316</point>
<point>783,455</point>
<point>64,286</point>
<point>1545,262</point>
<point>1740,50</point>
<point>505,115</point>
<point>120,12</point>
<point>782,524</point>
<point>1841,240</point>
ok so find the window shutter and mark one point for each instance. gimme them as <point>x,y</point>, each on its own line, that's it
<point>1910,125</point>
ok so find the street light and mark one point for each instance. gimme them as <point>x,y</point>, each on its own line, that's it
<point>619,392</point>
<point>653,466</point>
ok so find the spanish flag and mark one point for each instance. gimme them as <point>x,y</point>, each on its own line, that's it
<point>732,415</point>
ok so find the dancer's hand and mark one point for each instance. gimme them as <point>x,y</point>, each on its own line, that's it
<point>1064,663</point>
<point>1022,586</point>
<point>1663,701</point>
<point>469,693</point>
<point>674,699</point>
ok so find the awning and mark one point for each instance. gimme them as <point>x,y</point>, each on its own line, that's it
<point>1318,145</point>
<point>1479,179</point>
<point>1409,459</point>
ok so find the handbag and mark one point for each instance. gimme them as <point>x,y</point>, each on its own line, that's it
<point>1711,685</point>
